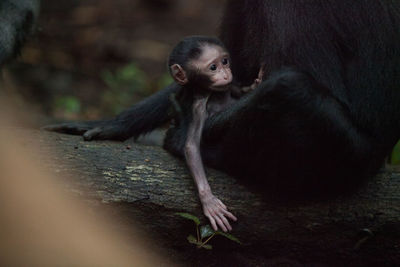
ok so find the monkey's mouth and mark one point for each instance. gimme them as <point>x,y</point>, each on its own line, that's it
<point>222,87</point>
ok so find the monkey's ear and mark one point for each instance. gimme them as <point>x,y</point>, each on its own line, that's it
<point>179,74</point>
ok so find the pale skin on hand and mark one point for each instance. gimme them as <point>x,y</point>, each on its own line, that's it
<point>259,78</point>
<point>256,82</point>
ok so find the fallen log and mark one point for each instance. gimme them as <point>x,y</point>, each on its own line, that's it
<point>151,185</point>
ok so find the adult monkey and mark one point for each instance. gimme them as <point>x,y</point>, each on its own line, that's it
<point>327,112</point>
<point>17,18</point>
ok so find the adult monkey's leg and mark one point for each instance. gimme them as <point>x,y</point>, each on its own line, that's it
<point>141,118</point>
<point>290,130</point>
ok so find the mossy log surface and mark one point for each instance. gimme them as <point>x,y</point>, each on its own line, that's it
<point>152,186</point>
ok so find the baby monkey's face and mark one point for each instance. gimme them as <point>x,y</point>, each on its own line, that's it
<point>214,63</point>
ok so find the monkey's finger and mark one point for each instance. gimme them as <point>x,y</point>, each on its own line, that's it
<point>222,205</point>
<point>229,215</point>
<point>107,132</point>
<point>92,134</point>
<point>261,71</point>
<point>220,223</point>
<point>69,128</point>
<point>225,221</point>
<point>213,223</point>
<point>261,74</point>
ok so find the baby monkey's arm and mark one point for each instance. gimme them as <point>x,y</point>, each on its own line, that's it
<point>213,208</point>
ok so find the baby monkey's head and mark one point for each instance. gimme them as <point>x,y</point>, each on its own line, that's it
<point>201,61</point>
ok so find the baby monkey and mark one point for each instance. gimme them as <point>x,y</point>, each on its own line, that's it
<point>201,65</point>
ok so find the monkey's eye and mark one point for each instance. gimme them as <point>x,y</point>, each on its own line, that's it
<point>213,67</point>
<point>225,61</point>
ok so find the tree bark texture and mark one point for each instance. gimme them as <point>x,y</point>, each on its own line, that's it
<point>151,185</point>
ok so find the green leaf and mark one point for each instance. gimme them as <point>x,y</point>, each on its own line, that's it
<point>229,236</point>
<point>207,246</point>
<point>189,217</point>
<point>193,240</point>
<point>131,74</point>
<point>129,78</point>
<point>395,158</point>
<point>206,231</point>
<point>68,104</point>
<point>109,79</point>
<point>128,72</point>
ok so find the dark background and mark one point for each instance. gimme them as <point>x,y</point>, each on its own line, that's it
<point>91,59</point>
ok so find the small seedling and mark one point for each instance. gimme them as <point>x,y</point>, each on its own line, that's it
<point>204,233</point>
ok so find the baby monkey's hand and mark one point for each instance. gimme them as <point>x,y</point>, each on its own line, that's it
<point>259,78</point>
<point>217,212</point>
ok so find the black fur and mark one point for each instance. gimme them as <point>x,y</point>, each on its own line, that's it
<point>327,112</point>
<point>330,118</point>
<point>144,116</point>
<point>17,19</point>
